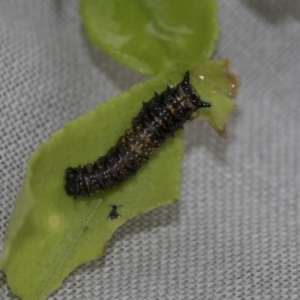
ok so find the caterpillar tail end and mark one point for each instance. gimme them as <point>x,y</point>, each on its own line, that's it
<point>71,184</point>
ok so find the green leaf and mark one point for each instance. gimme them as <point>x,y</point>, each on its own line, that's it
<point>153,36</point>
<point>216,85</point>
<point>50,233</point>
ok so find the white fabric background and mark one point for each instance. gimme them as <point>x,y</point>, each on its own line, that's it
<point>235,233</point>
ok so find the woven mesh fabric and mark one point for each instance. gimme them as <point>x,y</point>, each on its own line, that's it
<point>235,233</point>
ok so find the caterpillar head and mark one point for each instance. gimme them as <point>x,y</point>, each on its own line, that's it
<point>191,92</point>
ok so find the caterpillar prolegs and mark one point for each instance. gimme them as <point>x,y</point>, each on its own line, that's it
<point>158,119</point>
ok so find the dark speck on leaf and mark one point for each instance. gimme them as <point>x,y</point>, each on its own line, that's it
<point>114,212</point>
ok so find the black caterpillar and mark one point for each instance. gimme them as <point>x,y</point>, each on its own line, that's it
<point>159,118</point>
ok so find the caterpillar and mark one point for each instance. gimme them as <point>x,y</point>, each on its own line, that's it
<point>158,119</point>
